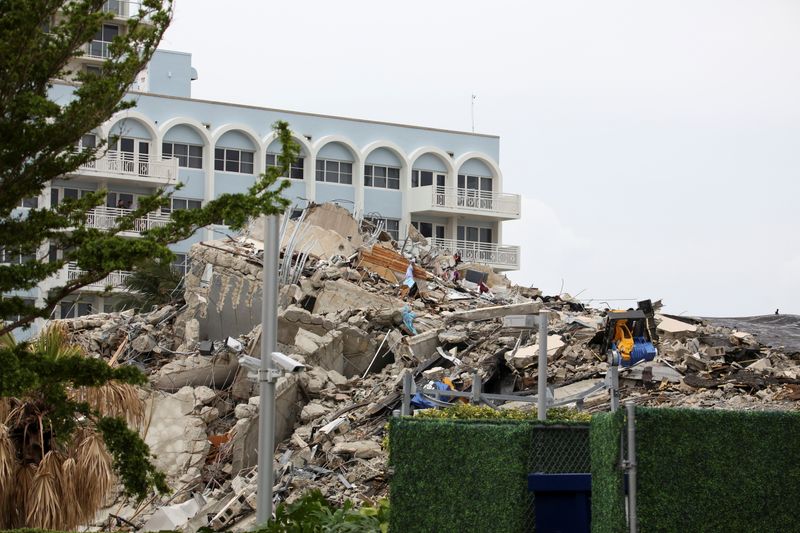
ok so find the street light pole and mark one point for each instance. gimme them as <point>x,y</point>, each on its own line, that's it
<point>269,344</point>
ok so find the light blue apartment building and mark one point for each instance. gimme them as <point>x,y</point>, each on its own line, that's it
<point>447,184</point>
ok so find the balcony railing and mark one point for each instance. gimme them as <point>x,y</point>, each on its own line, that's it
<point>122,8</point>
<point>459,200</point>
<point>106,218</point>
<point>96,49</point>
<point>115,279</point>
<point>496,255</point>
<point>126,165</point>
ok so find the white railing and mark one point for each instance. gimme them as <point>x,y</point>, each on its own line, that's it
<point>466,201</point>
<point>106,218</point>
<point>497,255</point>
<point>128,165</point>
<point>97,49</point>
<point>122,8</point>
<point>115,279</point>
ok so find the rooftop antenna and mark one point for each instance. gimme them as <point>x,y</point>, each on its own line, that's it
<point>472,102</point>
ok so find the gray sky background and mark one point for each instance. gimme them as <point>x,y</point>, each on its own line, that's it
<point>656,144</point>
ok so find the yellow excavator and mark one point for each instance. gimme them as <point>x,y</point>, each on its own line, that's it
<point>629,335</point>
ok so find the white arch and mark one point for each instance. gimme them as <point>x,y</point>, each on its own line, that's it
<point>194,124</point>
<point>143,119</point>
<point>444,156</point>
<point>341,140</point>
<point>301,140</point>
<point>389,145</point>
<point>247,130</point>
<point>491,163</point>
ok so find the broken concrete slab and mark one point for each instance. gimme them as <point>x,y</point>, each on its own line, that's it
<point>418,347</point>
<point>340,294</point>
<point>674,328</point>
<point>496,311</point>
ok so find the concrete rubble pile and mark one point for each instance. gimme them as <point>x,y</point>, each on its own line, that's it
<point>344,312</point>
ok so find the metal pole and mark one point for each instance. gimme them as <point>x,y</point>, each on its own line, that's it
<point>542,392</point>
<point>630,407</point>
<point>269,338</point>
<point>477,385</point>
<point>405,409</point>
<point>613,373</point>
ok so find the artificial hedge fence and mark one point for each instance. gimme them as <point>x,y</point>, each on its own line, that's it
<point>711,470</point>
<point>471,475</point>
<point>608,496</point>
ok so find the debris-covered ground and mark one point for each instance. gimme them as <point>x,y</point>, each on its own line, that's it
<point>345,311</point>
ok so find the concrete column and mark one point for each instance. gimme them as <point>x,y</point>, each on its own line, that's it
<point>405,189</point>
<point>358,183</point>
<point>208,183</point>
<point>452,227</point>
<point>310,177</point>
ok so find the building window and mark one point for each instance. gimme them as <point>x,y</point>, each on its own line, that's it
<point>73,309</point>
<point>181,264</point>
<point>475,183</point>
<point>13,256</point>
<point>332,171</point>
<point>295,169</point>
<point>179,204</point>
<point>121,200</point>
<point>382,177</point>
<point>188,155</point>
<point>93,70</point>
<point>474,234</point>
<point>14,318</point>
<point>88,141</point>
<point>233,160</point>
<point>29,203</point>
<point>99,45</point>
<point>429,230</point>
<point>390,225</point>
<point>58,195</point>
<point>423,178</point>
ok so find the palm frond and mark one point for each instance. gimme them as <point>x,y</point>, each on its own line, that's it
<point>8,467</point>
<point>113,399</point>
<point>95,473</point>
<point>44,503</point>
<point>151,284</point>
<point>23,482</point>
<point>72,514</point>
<point>54,342</point>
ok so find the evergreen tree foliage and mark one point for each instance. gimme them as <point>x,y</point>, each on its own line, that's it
<point>38,139</point>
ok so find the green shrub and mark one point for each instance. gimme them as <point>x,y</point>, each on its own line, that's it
<point>312,513</point>
<point>464,411</point>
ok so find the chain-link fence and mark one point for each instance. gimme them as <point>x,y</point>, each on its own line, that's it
<point>556,450</point>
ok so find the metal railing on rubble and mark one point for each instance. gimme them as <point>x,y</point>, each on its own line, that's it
<point>476,396</point>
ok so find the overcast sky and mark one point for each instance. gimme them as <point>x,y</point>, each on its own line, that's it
<point>656,144</point>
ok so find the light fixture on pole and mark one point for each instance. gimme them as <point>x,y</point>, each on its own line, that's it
<point>268,372</point>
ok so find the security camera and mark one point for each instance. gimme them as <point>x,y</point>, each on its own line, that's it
<point>283,362</point>
<point>287,363</point>
<point>250,363</point>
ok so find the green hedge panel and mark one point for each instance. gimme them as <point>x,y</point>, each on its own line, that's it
<point>710,470</point>
<point>471,475</point>
<point>608,497</point>
<point>458,475</point>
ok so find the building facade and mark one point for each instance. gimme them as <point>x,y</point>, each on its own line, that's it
<point>447,184</point>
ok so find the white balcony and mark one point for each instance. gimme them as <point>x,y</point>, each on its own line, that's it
<point>498,256</point>
<point>106,218</point>
<point>122,9</point>
<point>115,280</point>
<point>128,167</point>
<point>433,200</point>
